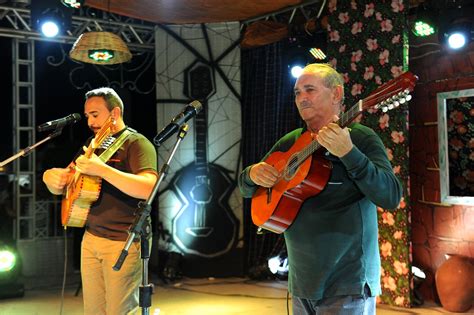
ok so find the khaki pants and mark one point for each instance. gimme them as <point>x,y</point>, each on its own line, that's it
<point>105,290</point>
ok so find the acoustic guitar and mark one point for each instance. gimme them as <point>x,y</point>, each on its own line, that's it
<point>304,170</point>
<point>83,190</point>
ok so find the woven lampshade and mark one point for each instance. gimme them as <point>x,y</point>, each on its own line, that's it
<point>100,41</point>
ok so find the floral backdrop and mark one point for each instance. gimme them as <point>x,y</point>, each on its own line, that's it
<point>461,145</point>
<point>367,44</point>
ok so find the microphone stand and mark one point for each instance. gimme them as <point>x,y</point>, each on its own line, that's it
<point>28,149</point>
<point>141,227</point>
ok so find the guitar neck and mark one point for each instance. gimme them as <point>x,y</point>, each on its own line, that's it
<point>200,128</point>
<point>386,97</point>
<point>345,119</point>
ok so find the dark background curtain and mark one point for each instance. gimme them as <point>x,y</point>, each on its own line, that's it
<point>268,112</point>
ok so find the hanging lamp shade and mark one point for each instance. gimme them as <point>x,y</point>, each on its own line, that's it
<point>103,48</point>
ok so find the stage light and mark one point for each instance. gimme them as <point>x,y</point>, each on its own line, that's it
<point>296,70</point>
<point>75,4</point>
<point>278,265</point>
<point>7,260</point>
<point>10,271</point>
<point>49,28</point>
<point>424,24</point>
<point>50,17</point>
<point>419,276</point>
<point>457,35</point>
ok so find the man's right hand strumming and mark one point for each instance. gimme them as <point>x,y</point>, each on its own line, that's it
<point>56,179</point>
<point>264,174</point>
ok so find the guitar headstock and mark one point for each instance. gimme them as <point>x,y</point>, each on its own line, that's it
<point>104,132</point>
<point>391,94</point>
<point>100,136</point>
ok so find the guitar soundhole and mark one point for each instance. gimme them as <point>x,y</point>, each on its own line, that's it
<point>291,168</point>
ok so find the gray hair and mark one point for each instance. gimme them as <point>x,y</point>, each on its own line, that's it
<point>112,99</point>
<point>331,78</point>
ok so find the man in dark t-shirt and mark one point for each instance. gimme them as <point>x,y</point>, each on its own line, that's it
<point>128,176</point>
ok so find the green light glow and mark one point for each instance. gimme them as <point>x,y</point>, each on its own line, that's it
<point>101,55</point>
<point>7,260</point>
<point>423,29</point>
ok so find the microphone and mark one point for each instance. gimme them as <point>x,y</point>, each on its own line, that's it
<point>60,123</point>
<point>187,113</point>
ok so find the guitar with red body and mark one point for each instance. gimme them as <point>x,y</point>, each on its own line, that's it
<point>304,170</point>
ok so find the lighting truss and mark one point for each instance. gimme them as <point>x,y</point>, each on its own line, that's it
<point>287,15</point>
<point>139,36</point>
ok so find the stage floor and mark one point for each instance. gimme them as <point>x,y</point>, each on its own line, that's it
<point>229,296</point>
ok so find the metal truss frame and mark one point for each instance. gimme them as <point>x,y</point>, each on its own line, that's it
<point>139,35</point>
<point>287,15</point>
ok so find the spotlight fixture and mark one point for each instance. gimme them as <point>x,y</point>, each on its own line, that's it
<point>75,4</point>
<point>457,34</point>
<point>278,265</point>
<point>317,53</point>
<point>50,18</point>
<point>10,271</point>
<point>424,24</point>
<point>456,25</point>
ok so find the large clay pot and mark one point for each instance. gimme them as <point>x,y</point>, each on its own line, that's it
<point>455,283</point>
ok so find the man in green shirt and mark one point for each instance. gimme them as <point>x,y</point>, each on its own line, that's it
<point>333,253</point>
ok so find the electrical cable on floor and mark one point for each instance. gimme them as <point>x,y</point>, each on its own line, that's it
<point>224,294</point>
<point>64,273</point>
<point>287,302</point>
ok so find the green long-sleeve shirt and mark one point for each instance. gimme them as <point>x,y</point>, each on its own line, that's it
<point>333,242</point>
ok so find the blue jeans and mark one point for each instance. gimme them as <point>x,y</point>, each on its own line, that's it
<point>338,305</point>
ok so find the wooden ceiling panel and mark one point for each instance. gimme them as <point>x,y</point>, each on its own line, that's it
<point>192,11</point>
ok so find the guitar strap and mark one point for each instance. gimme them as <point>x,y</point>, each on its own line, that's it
<point>107,154</point>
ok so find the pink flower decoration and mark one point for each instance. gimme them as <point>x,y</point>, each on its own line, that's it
<point>386,249</point>
<point>383,121</point>
<point>356,56</point>
<point>400,268</point>
<point>396,39</point>
<point>386,25</point>
<point>383,57</point>
<point>397,137</point>
<point>356,28</point>
<point>398,235</point>
<point>456,144</point>
<point>356,89</point>
<point>389,154</point>
<point>396,71</point>
<point>333,62</point>
<point>402,203</point>
<point>389,283</point>
<point>396,169</point>
<point>342,48</point>
<point>343,17</point>
<point>397,6</point>
<point>369,73</point>
<point>399,300</point>
<point>387,218</point>
<point>372,44</point>
<point>378,16</point>
<point>378,80</point>
<point>332,5</point>
<point>334,36</point>
<point>353,5</point>
<point>369,10</point>
<point>457,116</point>
<point>353,67</point>
<point>345,76</point>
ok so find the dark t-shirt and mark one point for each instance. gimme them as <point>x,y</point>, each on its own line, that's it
<point>113,212</point>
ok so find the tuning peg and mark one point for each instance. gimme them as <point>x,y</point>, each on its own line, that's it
<point>384,109</point>
<point>402,100</point>
<point>408,97</point>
